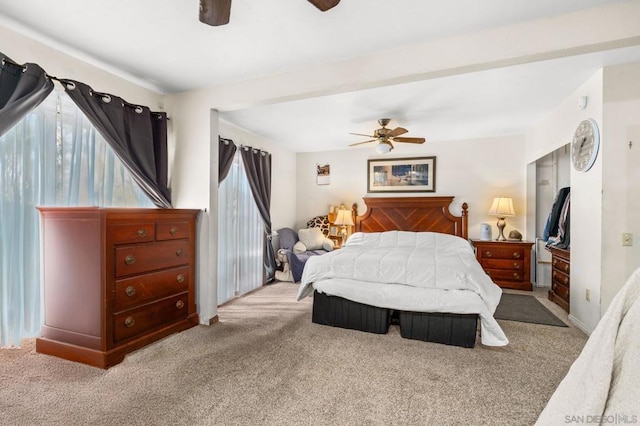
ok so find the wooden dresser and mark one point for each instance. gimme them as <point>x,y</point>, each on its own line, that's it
<point>560,277</point>
<point>115,280</point>
<point>508,263</point>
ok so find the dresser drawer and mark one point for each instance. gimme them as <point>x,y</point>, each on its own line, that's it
<point>132,233</point>
<point>128,324</point>
<point>560,291</point>
<point>140,258</point>
<point>145,288</point>
<point>506,264</point>
<point>560,265</point>
<point>505,275</point>
<point>502,253</point>
<point>560,278</point>
<point>172,230</point>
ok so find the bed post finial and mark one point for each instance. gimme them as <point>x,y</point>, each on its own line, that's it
<point>465,221</point>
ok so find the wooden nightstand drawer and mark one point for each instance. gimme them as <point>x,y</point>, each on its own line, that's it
<point>560,290</point>
<point>148,257</point>
<point>497,253</point>
<point>136,321</point>
<point>560,278</point>
<point>145,288</point>
<point>501,274</point>
<point>504,264</point>
<point>560,265</point>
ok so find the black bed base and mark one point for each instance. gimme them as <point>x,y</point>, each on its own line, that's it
<point>448,329</point>
<point>338,312</point>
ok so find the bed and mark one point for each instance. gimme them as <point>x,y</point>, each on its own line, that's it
<point>379,276</point>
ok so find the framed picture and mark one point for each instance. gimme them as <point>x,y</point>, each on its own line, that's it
<point>333,231</point>
<point>324,174</point>
<point>416,174</point>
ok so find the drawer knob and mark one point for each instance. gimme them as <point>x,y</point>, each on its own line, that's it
<point>130,260</point>
<point>488,273</point>
<point>179,304</point>
<point>180,278</point>
<point>515,265</point>
<point>555,262</point>
<point>130,291</point>
<point>566,280</point>
<point>487,253</point>
<point>516,254</point>
<point>566,268</point>
<point>129,322</point>
<point>173,231</point>
<point>179,252</point>
<point>516,275</point>
<point>142,232</point>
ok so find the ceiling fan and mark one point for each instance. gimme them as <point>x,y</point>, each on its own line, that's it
<point>217,12</point>
<point>385,136</point>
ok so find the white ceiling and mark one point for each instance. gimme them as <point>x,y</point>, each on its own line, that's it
<point>162,45</point>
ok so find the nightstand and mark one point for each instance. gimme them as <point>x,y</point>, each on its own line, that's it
<point>508,263</point>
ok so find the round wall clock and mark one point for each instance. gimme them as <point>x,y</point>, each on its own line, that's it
<point>585,145</point>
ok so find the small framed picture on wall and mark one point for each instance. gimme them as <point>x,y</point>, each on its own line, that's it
<point>323,174</point>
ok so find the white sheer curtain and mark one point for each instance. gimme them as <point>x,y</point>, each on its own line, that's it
<point>240,236</point>
<point>53,156</point>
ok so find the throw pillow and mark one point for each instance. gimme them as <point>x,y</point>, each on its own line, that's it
<point>321,222</point>
<point>312,238</point>
<point>327,244</point>
<point>299,247</point>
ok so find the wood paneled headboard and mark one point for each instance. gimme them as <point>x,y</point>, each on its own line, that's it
<point>418,214</point>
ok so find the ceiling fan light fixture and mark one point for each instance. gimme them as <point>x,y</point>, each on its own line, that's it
<point>383,147</point>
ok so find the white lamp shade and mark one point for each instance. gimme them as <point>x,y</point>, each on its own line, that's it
<point>344,218</point>
<point>383,148</point>
<point>502,207</point>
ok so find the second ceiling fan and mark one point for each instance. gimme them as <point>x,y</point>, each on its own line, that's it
<point>385,136</point>
<point>217,12</point>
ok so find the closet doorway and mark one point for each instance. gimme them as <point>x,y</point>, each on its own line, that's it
<point>553,172</point>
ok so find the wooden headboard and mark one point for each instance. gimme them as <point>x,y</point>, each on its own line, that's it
<point>418,214</point>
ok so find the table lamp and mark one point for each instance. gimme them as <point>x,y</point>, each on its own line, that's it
<point>344,219</point>
<point>502,207</point>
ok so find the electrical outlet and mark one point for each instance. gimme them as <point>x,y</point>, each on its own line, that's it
<point>587,295</point>
<point>627,239</point>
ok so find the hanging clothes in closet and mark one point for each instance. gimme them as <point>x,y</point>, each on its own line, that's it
<point>557,229</point>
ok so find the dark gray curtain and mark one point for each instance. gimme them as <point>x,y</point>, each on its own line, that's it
<point>226,152</point>
<point>257,164</point>
<point>22,88</point>
<point>137,136</point>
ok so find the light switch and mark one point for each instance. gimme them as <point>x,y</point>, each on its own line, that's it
<point>627,239</point>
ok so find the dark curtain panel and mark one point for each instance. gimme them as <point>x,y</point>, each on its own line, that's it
<point>226,152</point>
<point>137,136</point>
<point>22,88</point>
<point>257,164</point>
<point>159,128</point>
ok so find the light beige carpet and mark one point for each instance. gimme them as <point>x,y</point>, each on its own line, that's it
<point>266,363</point>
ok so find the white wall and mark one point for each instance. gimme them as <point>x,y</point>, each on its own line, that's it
<point>553,132</point>
<point>621,177</point>
<point>474,171</point>
<point>23,49</point>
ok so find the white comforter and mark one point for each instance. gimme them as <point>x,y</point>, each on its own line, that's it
<point>603,384</point>
<point>428,272</point>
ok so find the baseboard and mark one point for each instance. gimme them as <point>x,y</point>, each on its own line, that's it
<point>575,321</point>
<point>211,321</point>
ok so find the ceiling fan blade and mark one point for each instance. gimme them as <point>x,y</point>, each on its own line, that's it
<point>360,143</point>
<point>215,12</point>
<point>324,5</point>
<point>360,134</point>
<point>409,140</point>
<point>397,132</point>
